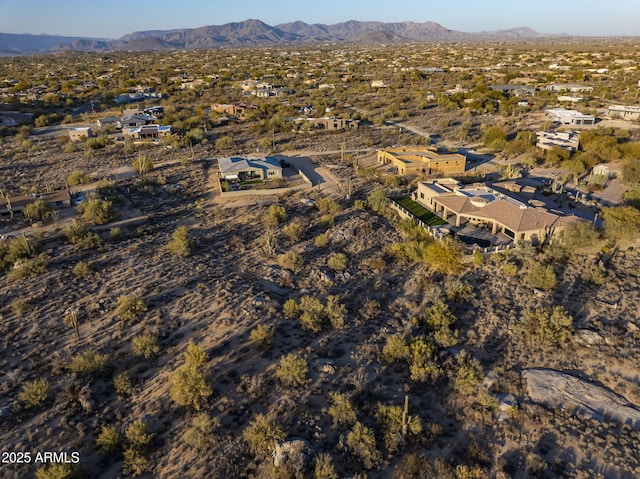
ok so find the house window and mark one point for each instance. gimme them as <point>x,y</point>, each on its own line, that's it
<point>422,196</point>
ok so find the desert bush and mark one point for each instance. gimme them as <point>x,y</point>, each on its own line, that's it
<point>415,466</point>
<point>262,336</point>
<point>145,345</point>
<point>294,230</point>
<point>337,261</point>
<point>122,383</point>
<point>180,244</point>
<point>595,274</point>
<point>377,200</point>
<point>82,269</point>
<point>328,205</point>
<point>96,210</point>
<point>115,233</point>
<point>510,269</point>
<point>359,204</point>
<point>37,210</point>
<point>129,307</point>
<point>423,365</point>
<point>34,393</point>
<point>290,309</point>
<point>321,241</point>
<point>395,424</point>
<point>312,314</point>
<point>542,277</point>
<point>59,471</point>
<point>135,463</point>
<point>621,223</point>
<point>341,410</point>
<point>327,221</point>
<point>224,143</point>
<point>440,319</point>
<point>19,305</point>
<point>444,256</point>
<point>362,444</point>
<point>336,312</point>
<point>395,349</point>
<point>545,326</point>
<point>324,468</point>
<point>109,439</point>
<point>291,260</point>
<point>535,465</point>
<point>262,434</point>
<point>578,236</point>
<point>104,186</point>
<point>143,165</point>
<point>200,433</point>
<point>276,214</point>
<point>29,267</point>
<point>89,363</point>
<point>292,370</point>
<point>189,387</point>
<point>78,177</point>
<point>469,374</point>
<point>137,435</point>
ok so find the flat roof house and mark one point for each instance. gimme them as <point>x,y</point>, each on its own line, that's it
<point>570,117</point>
<point>481,205</point>
<point>567,140</point>
<point>237,168</point>
<point>572,87</point>
<point>147,131</point>
<point>57,199</point>
<point>624,112</point>
<point>79,133</point>
<point>422,161</point>
<point>515,90</point>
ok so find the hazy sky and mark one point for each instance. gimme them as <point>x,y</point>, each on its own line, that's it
<point>111,19</point>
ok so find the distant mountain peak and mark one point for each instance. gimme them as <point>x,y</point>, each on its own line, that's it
<point>253,32</point>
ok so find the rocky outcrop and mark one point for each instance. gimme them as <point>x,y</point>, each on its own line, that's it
<point>579,397</point>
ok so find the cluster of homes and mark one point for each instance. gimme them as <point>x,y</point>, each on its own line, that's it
<point>492,207</point>
<point>134,124</point>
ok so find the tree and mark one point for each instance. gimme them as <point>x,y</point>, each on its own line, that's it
<point>109,439</point>
<point>180,244</point>
<point>145,346</point>
<point>37,210</point>
<point>143,165</point>
<point>189,387</point>
<point>469,374</point>
<point>377,200</point>
<point>621,222</point>
<point>291,260</point>
<point>292,370</point>
<point>324,468</point>
<point>444,256</point>
<point>200,434</point>
<point>294,230</point>
<point>494,137</point>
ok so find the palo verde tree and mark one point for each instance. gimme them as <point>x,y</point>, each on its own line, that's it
<point>189,386</point>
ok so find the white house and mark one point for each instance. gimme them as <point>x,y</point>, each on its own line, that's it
<point>570,117</point>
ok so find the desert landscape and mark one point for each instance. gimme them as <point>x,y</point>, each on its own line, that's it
<point>157,322</point>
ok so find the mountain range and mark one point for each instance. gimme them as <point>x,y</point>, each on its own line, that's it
<point>251,33</point>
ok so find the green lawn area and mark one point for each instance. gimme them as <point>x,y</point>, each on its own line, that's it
<point>421,212</point>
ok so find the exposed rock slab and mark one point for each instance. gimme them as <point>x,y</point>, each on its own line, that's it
<point>579,397</point>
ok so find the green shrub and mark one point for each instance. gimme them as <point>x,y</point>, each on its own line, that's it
<point>19,305</point>
<point>96,210</point>
<point>145,346</point>
<point>122,383</point>
<point>276,214</point>
<point>361,442</point>
<point>291,260</point>
<point>468,376</point>
<point>262,434</point>
<point>129,307</point>
<point>312,314</point>
<point>327,221</point>
<point>290,309</point>
<point>78,177</point>
<point>395,349</point>
<point>292,370</point>
<point>180,244</point>
<point>377,200</point>
<point>337,261</point>
<point>34,393</point>
<point>328,205</point>
<point>294,231</point>
<point>189,386</point>
<point>262,336</point>
<point>115,233</point>
<point>341,410</point>
<point>200,434</point>
<point>542,277</point>
<point>137,435</point>
<point>324,468</point>
<point>59,471</point>
<point>37,210</point>
<point>109,439</point>
<point>134,462</point>
<point>29,267</point>
<point>82,269</point>
<point>321,241</point>
<point>394,424</point>
<point>89,363</point>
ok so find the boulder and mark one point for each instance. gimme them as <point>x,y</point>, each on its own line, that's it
<point>325,366</point>
<point>579,397</point>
